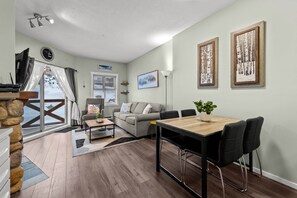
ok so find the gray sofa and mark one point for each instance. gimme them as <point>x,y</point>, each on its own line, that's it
<point>135,122</point>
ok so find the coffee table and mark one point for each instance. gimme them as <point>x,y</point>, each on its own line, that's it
<point>94,124</point>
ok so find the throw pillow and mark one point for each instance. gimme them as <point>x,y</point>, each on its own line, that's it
<point>93,108</point>
<point>126,107</point>
<point>147,109</point>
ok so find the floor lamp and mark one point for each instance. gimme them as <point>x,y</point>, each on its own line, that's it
<point>165,74</point>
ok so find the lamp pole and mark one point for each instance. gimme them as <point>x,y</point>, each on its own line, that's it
<point>165,74</point>
<point>166,92</point>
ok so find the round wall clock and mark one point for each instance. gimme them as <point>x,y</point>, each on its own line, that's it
<point>47,54</point>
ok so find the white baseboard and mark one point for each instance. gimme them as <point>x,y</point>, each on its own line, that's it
<point>275,178</point>
<point>41,134</point>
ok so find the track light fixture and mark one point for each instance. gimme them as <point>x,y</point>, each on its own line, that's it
<point>32,24</point>
<point>38,18</point>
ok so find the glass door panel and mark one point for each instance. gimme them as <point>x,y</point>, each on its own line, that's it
<point>54,101</point>
<point>48,110</point>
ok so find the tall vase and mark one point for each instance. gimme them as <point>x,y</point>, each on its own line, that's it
<point>205,117</point>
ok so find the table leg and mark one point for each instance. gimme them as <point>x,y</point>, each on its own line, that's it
<point>251,161</point>
<point>90,135</point>
<point>158,149</point>
<point>113,131</point>
<point>204,167</point>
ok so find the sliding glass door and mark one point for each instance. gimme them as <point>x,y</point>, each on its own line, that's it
<point>49,110</point>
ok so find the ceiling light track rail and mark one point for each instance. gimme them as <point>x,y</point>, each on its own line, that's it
<point>38,18</point>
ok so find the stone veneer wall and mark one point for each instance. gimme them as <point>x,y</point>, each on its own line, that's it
<point>10,117</point>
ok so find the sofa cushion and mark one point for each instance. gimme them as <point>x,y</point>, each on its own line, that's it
<point>123,116</point>
<point>147,109</point>
<point>131,120</point>
<point>126,107</point>
<point>139,108</point>
<point>93,108</point>
<point>156,107</point>
<point>133,106</point>
<point>116,114</point>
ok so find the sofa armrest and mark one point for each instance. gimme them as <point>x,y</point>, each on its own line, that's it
<point>116,110</point>
<point>84,112</point>
<point>147,117</point>
<point>90,116</point>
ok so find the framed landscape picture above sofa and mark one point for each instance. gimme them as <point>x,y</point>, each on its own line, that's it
<point>247,56</point>
<point>208,64</point>
<point>148,80</point>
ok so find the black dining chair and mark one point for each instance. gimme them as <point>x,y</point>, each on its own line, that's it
<point>227,150</point>
<point>172,137</point>
<point>251,140</point>
<point>188,112</point>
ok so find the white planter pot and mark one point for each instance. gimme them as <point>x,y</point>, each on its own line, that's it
<point>99,120</point>
<point>205,117</point>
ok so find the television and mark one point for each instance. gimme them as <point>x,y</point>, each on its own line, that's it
<point>22,64</point>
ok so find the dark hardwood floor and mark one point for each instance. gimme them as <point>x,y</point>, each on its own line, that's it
<point>126,171</point>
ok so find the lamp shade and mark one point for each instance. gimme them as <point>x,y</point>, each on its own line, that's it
<point>166,73</point>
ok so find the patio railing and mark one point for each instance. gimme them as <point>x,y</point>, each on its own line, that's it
<point>50,112</point>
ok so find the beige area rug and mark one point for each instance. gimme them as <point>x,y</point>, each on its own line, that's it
<point>81,144</point>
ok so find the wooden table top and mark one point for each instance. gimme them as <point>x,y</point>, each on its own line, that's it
<point>94,123</point>
<point>193,124</point>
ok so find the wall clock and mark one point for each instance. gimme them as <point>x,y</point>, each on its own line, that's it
<point>47,54</point>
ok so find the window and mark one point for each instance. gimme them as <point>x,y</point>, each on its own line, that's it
<point>105,86</point>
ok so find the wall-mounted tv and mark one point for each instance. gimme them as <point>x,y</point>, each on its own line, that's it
<point>22,68</point>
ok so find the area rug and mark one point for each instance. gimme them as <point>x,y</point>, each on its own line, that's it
<point>81,144</point>
<point>32,173</point>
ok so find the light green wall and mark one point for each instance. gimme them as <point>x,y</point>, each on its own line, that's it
<point>157,59</point>
<point>7,23</point>
<point>84,66</point>
<point>276,102</point>
<point>60,58</point>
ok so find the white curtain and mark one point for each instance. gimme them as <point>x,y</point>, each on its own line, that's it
<point>36,75</point>
<point>60,74</point>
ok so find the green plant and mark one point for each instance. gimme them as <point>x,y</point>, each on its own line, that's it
<point>206,107</point>
<point>99,115</point>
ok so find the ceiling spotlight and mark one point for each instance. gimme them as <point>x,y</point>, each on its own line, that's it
<point>51,21</point>
<point>38,18</point>
<point>32,24</point>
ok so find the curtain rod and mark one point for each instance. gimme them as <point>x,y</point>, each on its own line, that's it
<point>53,64</point>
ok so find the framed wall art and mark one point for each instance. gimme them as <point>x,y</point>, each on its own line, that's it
<point>208,64</point>
<point>248,56</point>
<point>148,80</point>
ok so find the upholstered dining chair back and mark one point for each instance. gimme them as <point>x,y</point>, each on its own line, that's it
<point>188,112</point>
<point>230,145</point>
<point>169,114</point>
<point>251,140</point>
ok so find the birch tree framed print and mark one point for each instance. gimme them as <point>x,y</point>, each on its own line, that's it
<point>208,64</point>
<point>247,56</point>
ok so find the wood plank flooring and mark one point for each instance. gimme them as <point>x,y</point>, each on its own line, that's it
<point>126,171</point>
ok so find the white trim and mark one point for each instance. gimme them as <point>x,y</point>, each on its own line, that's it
<point>277,178</point>
<point>44,133</point>
<point>274,177</point>
<point>117,86</point>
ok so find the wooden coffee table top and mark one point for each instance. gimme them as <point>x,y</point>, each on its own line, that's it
<point>94,123</point>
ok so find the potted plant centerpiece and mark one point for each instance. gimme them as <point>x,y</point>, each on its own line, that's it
<point>99,117</point>
<point>205,109</point>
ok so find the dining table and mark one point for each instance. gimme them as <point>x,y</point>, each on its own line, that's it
<point>192,127</point>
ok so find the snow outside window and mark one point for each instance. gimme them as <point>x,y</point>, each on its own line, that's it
<point>105,86</point>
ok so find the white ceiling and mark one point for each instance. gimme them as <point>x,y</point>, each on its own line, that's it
<point>114,30</point>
